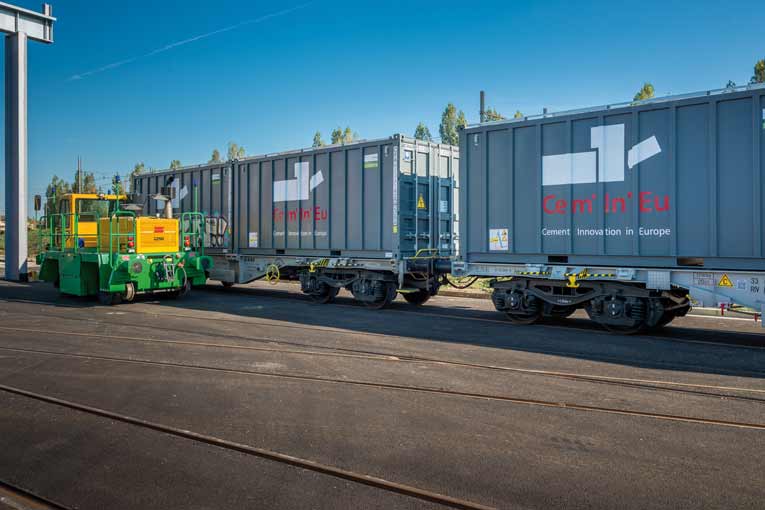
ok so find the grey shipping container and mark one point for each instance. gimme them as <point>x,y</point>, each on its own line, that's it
<point>666,184</point>
<point>378,205</point>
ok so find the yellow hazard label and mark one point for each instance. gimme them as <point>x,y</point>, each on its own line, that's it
<point>725,281</point>
<point>421,203</point>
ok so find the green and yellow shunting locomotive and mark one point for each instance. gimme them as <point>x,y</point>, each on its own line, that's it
<point>96,244</point>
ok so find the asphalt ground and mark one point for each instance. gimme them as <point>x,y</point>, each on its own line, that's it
<point>138,405</point>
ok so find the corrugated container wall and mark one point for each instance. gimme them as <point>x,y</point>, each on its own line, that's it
<point>671,183</point>
<point>380,199</point>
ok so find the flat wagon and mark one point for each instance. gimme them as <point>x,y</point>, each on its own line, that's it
<point>375,217</point>
<point>633,212</point>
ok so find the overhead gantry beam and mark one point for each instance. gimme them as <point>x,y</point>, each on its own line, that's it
<point>37,26</point>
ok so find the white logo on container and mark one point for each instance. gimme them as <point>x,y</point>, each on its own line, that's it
<point>582,167</point>
<point>299,188</point>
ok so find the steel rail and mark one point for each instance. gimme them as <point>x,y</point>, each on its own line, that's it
<point>653,384</point>
<point>589,326</point>
<point>352,476</point>
<point>414,389</point>
<point>14,491</point>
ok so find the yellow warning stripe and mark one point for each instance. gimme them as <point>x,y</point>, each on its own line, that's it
<point>578,275</point>
<point>590,275</point>
<point>319,263</point>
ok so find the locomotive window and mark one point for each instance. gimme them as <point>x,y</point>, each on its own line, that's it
<point>91,209</point>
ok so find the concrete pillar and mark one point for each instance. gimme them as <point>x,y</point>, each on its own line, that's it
<point>16,157</point>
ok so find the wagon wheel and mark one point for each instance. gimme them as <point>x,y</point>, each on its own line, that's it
<point>420,297</point>
<point>325,294</point>
<point>524,319</point>
<point>666,318</point>
<point>620,329</point>
<point>624,330</point>
<point>562,312</point>
<point>389,294</point>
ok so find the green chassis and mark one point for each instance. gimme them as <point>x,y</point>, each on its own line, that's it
<point>86,273</point>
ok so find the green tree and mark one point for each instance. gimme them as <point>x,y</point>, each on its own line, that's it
<point>517,114</point>
<point>646,92</point>
<point>118,186</point>
<point>87,180</point>
<point>215,158</point>
<point>451,121</point>
<point>317,141</point>
<point>423,133</point>
<point>759,72</point>
<point>235,151</point>
<point>54,191</point>
<point>138,169</point>
<point>175,164</point>
<point>343,136</point>
<point>349,136</point>
<point>491,115</point>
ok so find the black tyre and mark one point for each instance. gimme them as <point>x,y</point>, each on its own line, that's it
<point>417,298</point>
<point>227,285</point>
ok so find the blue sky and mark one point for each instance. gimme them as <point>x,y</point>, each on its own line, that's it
<point>378,66</point>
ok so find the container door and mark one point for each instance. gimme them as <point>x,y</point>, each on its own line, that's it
<point>407,212</point>
<point>442,216</point>
<point>217,205</point>
<point>424,208</point>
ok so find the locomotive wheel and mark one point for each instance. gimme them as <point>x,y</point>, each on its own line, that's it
<point>129,295</point>
<point>185,288</point>
<point>523,319</point>
<point>325,294</point>
<point>417,298</point>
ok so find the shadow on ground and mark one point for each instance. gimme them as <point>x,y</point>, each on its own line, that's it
<point>689,349</point>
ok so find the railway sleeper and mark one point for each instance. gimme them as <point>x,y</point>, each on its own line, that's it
<point>619,307</point>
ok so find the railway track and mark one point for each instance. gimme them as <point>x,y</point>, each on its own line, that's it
<point>417,389</point>
<point>741,340</point>
<point>325,351</point>
<point>15,497</point>
<point>353,476</point>
<point>748,340</point>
